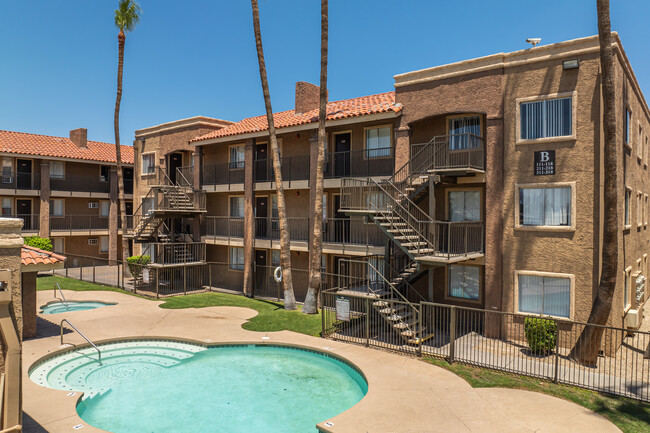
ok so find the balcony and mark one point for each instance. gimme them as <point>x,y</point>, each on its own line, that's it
<point>30,221</point>
<point>457,154</point>
<point>342,232</point>
<point>165,253</point>
<point>78,223</point>
<point>356,163</point>
<point>80,183</point>
<point>450,242</point>
<point>20,181</point>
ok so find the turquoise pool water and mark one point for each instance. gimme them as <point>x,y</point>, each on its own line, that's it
<point>63,307</point>
<point>160,386</point>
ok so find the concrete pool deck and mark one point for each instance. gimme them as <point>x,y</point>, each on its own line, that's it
<point>404,394</point>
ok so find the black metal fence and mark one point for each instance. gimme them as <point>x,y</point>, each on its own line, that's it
<point>496,340</point>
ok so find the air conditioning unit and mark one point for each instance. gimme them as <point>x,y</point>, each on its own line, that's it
<point>93,241</point>
<point>93,205</point>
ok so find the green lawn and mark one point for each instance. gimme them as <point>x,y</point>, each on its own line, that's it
<point>48,282</point>
<point>629,415</point>
<point>272,315</point>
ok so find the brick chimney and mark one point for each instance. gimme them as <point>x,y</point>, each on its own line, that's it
<point>79,137</point>
<point>307,97</point>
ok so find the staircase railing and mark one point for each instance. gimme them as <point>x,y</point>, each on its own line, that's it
<point>181,179</point>
<point>410,292</point>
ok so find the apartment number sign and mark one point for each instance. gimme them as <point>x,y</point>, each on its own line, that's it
<point>544,162</point>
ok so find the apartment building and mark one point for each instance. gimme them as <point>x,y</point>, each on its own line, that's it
<point>65,188</point>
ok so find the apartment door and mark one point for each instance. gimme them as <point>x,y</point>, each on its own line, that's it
<point>175,161</point>
<point>24,211</point>
<point>261,217</point>
<point>261,271</point>
<point>342,155</point>
<point>128,208</point>
<point>23,174</point>
<point>261,163</point>
<point>341,222</point>
<point>127,173</point>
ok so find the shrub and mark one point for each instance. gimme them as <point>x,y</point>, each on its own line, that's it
<point>136,263</point>
<point>36,242</point>
<point>541,334</point>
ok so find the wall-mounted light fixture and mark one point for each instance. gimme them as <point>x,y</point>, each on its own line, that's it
<point>571,64</point>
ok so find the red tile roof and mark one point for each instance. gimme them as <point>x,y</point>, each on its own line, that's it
<point>22,143</point>
<point>36,256</point>
<point>365,105</point>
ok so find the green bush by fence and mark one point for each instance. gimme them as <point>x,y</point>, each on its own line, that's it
<point>541,334</point>
<point>136,263</point>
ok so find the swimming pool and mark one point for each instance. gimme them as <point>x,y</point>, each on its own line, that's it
<point>159,385</point>
<point>63,307</point>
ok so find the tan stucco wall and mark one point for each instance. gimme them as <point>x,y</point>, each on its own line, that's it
<point>29,304</point>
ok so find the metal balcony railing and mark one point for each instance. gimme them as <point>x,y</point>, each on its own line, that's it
<point>449,152</point>
<point>360,163</point>
<point>26,181</point>
<point>30,221</point>
<point>78,222</point>
<point>166,253</point>
<point>82,183</point>
<point>293,168</point>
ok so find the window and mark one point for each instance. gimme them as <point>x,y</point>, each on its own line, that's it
<point>6,207</point>
<point>275,257</point>
<point>58,245</point>
<point>237,258</point>
<point>540,294</point>
<point>378,142</point>
<point>103,244</point>
<point>627,121</point>
<point>105,173</point>
<point>639,208</point>
<point>324,206</point>
<point>237,207</point>
<point>104,208</point>
<point>237,156</point>
<point>463,282</point>
<point>545,206</point>
<point>7,169</point>
<point>376,200</point>
<point>639,147</point>
<point>627,288</point>
<point>148,163</point>
<point>546,118</point>
<point>375,270</point>
<point>56,207</point>
<point>57,170</point>
<point>645,210</point>
<point>628,198</point>
<point>461,130</point>
<point>465,205</point>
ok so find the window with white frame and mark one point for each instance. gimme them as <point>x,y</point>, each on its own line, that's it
<point>464,205</point>
<point>237,258</point>
<point>545,206</point>
<point>546,118</point>
<point>57,170</point>
<point>462,130</point>
<point>628,199</point>
<point>7,169</point>
<point>104,208</point>
<point>237,207</point>
<point>378,142</point>
<point>148,163</point>
<point>58,245</point>
<point>56,207</point>
<point>464,282</point>
<point>237,156</point>
<point>376,200</point>
<point>547,295</point>
<point>639,208</point>
<point>627,123</point>
<point>6,207</point>
<point>103,244</point>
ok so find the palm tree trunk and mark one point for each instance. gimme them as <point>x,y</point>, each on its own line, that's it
<point>285,252</point>
<point>121,38</point>
<point>586,348</point>
<point>310,306</point>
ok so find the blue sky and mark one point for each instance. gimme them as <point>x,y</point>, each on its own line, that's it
<point>58,60</point>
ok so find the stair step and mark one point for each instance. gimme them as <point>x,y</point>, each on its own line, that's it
<point>406,237</point>
<point>422,250</point>
<point>414,244</point>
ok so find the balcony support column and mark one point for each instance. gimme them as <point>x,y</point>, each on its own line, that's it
<point>113,246</point>
<point>44,214</point>
<point>197,158</point>
<point>249,217</point>
<point>402,145</point>
<point>313,162</point>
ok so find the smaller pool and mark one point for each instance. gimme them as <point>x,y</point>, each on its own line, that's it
<point>65,307</point>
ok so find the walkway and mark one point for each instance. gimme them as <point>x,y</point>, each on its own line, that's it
<point>405,394</point>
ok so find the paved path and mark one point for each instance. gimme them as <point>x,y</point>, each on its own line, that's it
<point>405,394</point>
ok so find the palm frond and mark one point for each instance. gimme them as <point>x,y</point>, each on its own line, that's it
<point>127,15</point>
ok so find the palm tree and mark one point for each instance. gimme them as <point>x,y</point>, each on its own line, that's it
<point>127,15</point>
<point>285,252</point>
<point>311,306</point>
<point>586,348</point>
